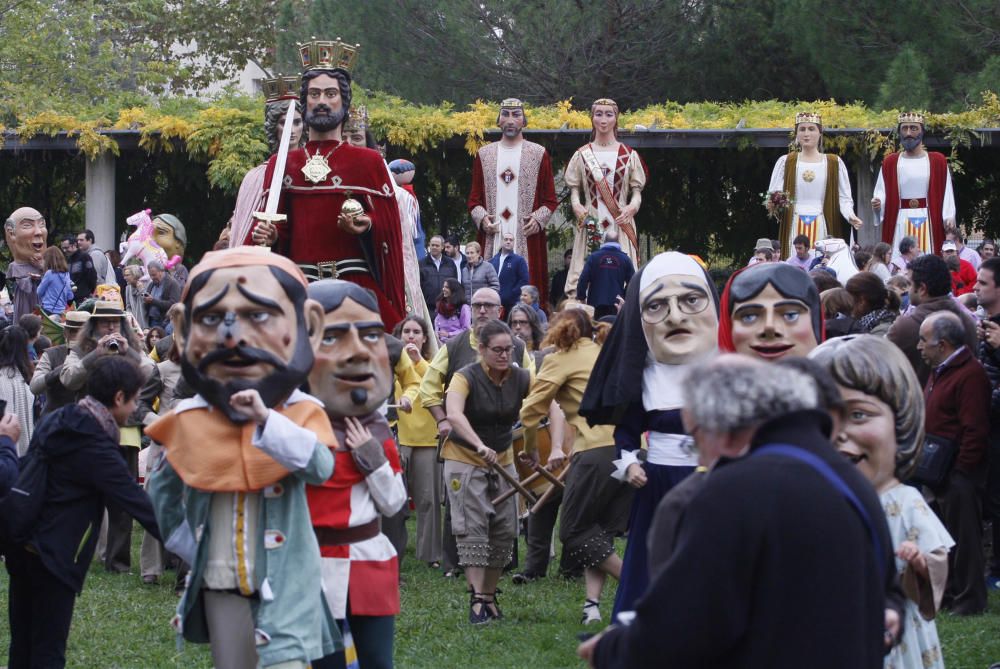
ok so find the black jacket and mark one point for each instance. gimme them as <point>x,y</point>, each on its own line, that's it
<point>8,464</point>
<point>83,275</point>
<point>432,278</point>
<point>86,470</point>
<point>772,568</point>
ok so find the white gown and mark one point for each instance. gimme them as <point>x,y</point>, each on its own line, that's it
<point>810,192</point>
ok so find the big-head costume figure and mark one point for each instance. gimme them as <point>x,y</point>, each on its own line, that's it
<point>513,192</point>
<point>362,242</point>
<point>913,195</point>
<point>669,322</point>
<point>229,491</point>
<point>353,377</point>
<point>771,311</point>
<point>26,235</point>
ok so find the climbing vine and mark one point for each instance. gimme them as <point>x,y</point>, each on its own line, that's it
<point>227,134</point>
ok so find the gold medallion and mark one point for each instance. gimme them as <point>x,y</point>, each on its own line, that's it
<point>316,169</point>
<point>808,176</point>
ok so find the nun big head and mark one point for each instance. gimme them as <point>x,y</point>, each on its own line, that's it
<point>679,316</point>
<point>670,318</point>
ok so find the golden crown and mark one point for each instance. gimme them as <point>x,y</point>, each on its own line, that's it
<point>808,117</point>
<point>327,55</point>
<point>910,117</point>
<point>605,101</point>
<point>357,119</point>
<point>281,88</point>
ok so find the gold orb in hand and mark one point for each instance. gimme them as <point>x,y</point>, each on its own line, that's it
<point>352,208</point>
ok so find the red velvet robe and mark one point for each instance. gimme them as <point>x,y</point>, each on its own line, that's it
<point>311,235</point>
<point>935,197</point>
<point>537,244</point>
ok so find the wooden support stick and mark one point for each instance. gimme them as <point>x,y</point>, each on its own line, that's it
<point>504,496</point>
<point>547,495</point>
<point>515,483</point>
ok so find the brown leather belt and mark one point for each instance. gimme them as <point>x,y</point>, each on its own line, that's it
<point>914,203</point>
<point>341,536</point>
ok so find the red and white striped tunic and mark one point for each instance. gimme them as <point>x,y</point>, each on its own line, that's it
<point>366,572</point>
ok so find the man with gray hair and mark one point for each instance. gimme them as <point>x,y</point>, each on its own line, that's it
<point>908,252</point>
<point>776,540</point>
<point>605,276</point>
<point>724,424</point>
<point>135,291</point>
<point>957,400</point>
<point>162,292</point>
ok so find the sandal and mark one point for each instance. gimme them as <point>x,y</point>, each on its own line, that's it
<point>483,615</point>
<point>492,607</point>
<point>591,612</point>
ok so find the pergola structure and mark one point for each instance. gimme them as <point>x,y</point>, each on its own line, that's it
<point>100,172</point>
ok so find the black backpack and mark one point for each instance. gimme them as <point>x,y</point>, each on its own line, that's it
<point>21,507</point>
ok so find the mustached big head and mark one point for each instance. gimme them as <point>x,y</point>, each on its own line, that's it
<point>247,326</point>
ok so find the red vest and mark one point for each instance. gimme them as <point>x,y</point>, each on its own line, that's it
<point>935,197</point>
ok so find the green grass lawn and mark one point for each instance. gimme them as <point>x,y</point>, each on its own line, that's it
<point>119,622</point>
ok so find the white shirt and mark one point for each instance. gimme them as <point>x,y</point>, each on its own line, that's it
<point>914,176</point>
<point>810,185</point>
<point>503,257</point>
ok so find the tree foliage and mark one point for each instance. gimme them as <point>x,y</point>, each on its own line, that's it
<point>906,83</point>
<point>642,51</point>
<point>64,55</point>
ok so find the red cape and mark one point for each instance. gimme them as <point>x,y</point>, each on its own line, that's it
<point>935,197</point>
<point>538,247</point>
<point>311,234</point>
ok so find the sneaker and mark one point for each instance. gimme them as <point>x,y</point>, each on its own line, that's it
<point>524,577</point>
<point>591,612</point>
<point>993,582</point>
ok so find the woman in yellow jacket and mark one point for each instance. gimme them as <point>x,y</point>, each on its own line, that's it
<point>595,507</point>
<point>418,438</point>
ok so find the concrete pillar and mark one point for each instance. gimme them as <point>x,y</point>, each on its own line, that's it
<point>100,200</point>
<point>869,234</point>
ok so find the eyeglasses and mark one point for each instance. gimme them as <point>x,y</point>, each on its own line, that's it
<point>657,310</point>
<point>485,305</point>
<point>501,350</point>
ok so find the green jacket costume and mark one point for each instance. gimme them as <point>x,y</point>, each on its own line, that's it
<point>291,615</point>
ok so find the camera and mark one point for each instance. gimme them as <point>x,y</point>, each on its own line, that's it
<point>113,346</point>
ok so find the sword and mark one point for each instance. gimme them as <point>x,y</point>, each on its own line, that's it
<point>270,213</point>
